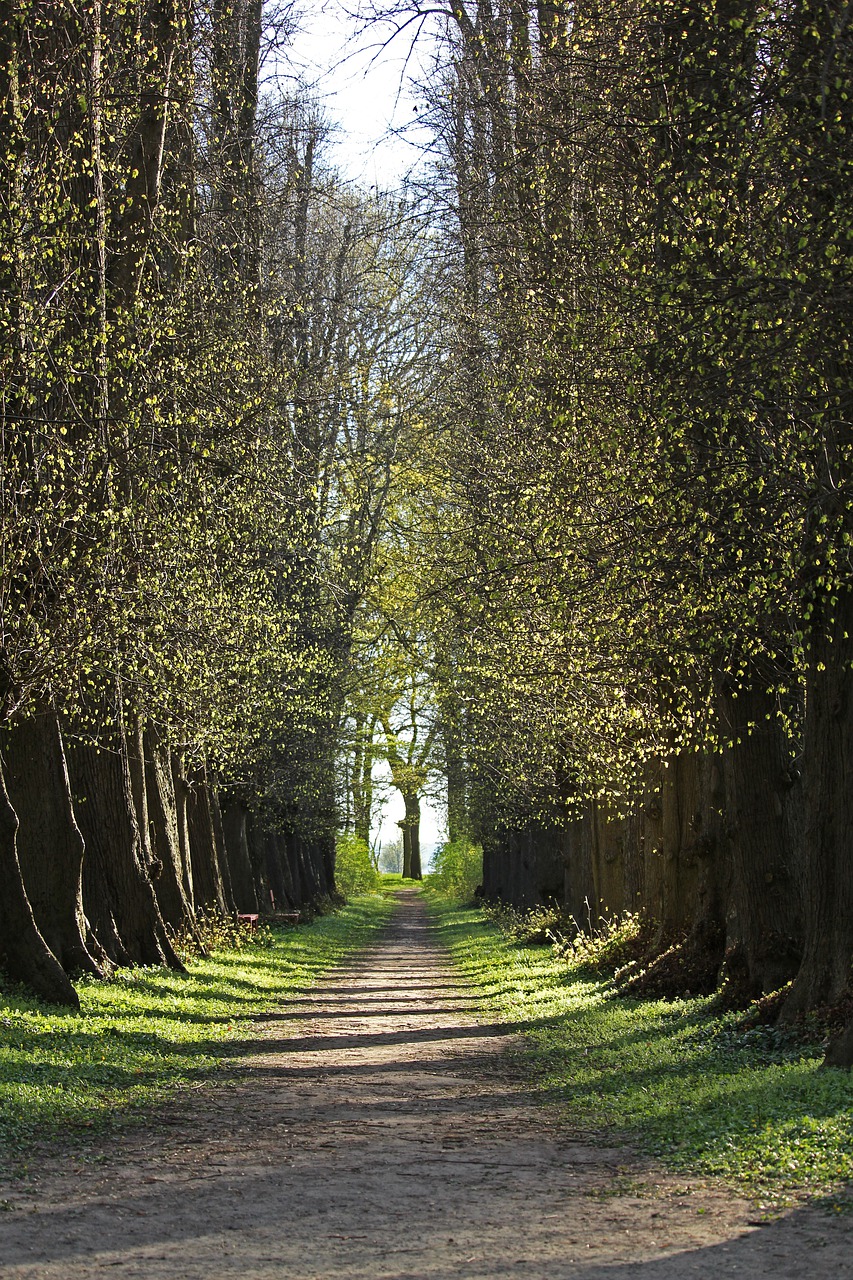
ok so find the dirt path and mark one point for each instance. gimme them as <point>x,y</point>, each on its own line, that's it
<point>375,1130</point>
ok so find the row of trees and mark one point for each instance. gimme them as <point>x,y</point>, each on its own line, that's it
<point>545,485</point>
<point>640,587</point>
<point>206,347</point>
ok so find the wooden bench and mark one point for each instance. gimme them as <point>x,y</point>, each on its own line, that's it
<point>283,917</point>
<point>252,918</point>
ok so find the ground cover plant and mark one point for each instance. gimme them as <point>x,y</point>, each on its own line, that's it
<point>701,1089</point>
<point>151,1031</point>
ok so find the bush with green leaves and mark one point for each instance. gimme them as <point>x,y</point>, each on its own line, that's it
<point>355,870</point>
<point>457,869</point>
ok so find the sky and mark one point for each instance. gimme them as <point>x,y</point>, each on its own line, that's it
<point>367,91</point>
<point>365,88</point>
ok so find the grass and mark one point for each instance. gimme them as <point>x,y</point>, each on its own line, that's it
<point>151,1032</point>
<point>685,1084</point>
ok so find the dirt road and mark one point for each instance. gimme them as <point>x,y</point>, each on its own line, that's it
<point>375,1130</point>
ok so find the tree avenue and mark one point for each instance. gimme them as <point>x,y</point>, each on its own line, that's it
<point>535,479</point>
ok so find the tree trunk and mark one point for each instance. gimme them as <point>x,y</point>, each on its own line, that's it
<point>407,850</point>
<point>412,828</point>
<point>672,814</point>
<point>50,845</point>
<point>209,886</point>
<point>175,906</point>
<point>219,845</point>
<point>235,832</point>
<point>257,856</point>
<point>824,973</point>
<point>279,868</point>
<point>25,955</point>
<point>182,807</point>
<point>578,881</point>
<point>300,852</point>
<point>763,910</point>
<point>117,886</point>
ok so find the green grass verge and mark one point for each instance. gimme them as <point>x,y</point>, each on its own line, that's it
<point>684,1084</point>
<point>389,880</point>
<point>149,1032</point>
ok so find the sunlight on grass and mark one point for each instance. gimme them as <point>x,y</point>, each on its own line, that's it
<point>149,1032</point>
<point>689,1086</point>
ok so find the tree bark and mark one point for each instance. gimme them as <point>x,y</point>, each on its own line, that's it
<point>763,913</point>
<point>117,886</point>
<point>279,872</point>
<point>257,856</point>
<point>824,972</point>
<point>162,806</point>
<point>182,803</point>
<point>50,844</point>
<point>208,883</point>
<point>25,955</point>
<point>235,819</point>
<point>412,831</point>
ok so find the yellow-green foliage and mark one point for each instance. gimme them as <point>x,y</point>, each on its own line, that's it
<point>355,871</point>
<point>457,869</point>
<point>213,930</point>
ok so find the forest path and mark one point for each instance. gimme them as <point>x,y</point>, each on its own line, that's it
<point>376,1130</point>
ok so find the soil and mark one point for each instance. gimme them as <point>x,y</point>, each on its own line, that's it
<point>377,1128</point>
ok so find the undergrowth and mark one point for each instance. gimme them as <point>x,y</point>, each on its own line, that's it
<point>706,1091</point>
<point>457,869</point>
<point>150,1032</point>
<point>214,930</point>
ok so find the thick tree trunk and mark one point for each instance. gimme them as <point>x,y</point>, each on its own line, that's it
<point>257,856</point>
<point>208,882</point>
<point>764,916</point>
<point>412,828</point>
<point>295,886</point>
<point>235,819</point>
<point>25,955</point>
<point>300,853</point>
<point>405,832</point>
<point>685,865</point>
<point>50,844</point>
<point>327,853</point>
<point>117,886</point>
<point>608,862</point>
<point>673,817</point>
<point>219,845</point>
<point>824,973</point>
<point>162,808</point>
<point>279,868</point>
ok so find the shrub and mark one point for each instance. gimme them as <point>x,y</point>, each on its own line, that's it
<point>457,869</point>
<point>604,948</point>
<point>354,868</point>
<point>213,930</point>
<point>528,926</point>
<point>611,947</point>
